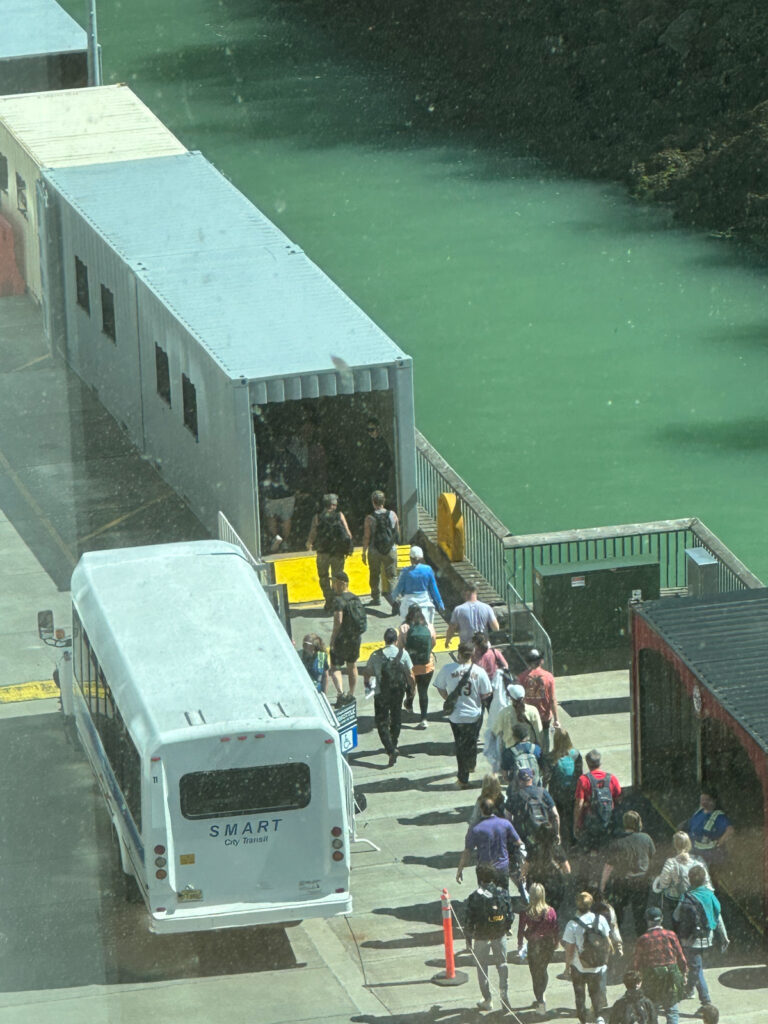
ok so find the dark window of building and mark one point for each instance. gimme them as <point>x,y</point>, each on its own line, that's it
<point>81,285</point>
<point>21,195</point>
<point>3,173</point>
<point>257,790</point>
<point>163,374</point>
<point>108,312</point>
<point>189,398</point>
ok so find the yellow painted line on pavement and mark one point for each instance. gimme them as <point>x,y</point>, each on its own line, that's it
<point>121,519</point>
<point>28,691</point>
<point>367,648</point>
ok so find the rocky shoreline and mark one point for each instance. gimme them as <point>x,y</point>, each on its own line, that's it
<point>673,102</point>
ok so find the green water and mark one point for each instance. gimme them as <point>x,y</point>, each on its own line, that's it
<point>578,360</point>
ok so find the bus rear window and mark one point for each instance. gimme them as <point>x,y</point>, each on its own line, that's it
<point>256,790</point>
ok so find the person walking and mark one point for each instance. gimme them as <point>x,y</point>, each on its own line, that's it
<point>661,962</point>
<point>349,624</point>
<point>331,537</point>
<point>587,949</point>
<point>628,861</point>
<point>488,919</point>
<point>417,637</point>
<point>522,754</point>
<point>597,793</point>
<point>496,842</point>
<point>672,882</point>
<point>530,807</point>
<point>380,534</point>
<point>565,770</point>
<point>537,934</point>
<point>314,658</point>
<point>517,711</point>
<point>492,790</point>
<point>487,657</point>
<point>634,1005</point>
<point>473,616</point>
<point>698,917</point>
<point>416,584</point>
<point>464,687</point>
<point>539,686</point>
<point>392,669</point>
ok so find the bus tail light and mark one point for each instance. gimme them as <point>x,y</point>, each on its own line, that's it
<point>159,849</point>
<point>161,874</point>
<point>336,830</point>
<point>338,855</point>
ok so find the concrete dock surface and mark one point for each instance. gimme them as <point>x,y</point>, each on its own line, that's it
<point>99,965</point>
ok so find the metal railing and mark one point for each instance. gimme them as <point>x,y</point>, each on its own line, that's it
<point>665,540</point>
<point>525,630</point>
<point>484,533</point>
<point>276,592</point>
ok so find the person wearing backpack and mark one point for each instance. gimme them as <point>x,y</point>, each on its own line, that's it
<point>417,637</point>
<point>380,535</point>
<point>698,917</point>
<point>566,768</point>
<point>596,796</point>
<point>660,960</point>
<point>331,537</point>
<point>587,951</point>
<point>672,882</point>
<point>522,754</point>
<point>529,807</point>
<point>393,670</point>
<point>627,864</point>
<point>349,624</point>
<point>634,1007</point>
<point>488,918</point>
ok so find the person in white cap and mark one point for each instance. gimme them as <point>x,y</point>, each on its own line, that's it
<point>417,585</point>
<point>518,712</point>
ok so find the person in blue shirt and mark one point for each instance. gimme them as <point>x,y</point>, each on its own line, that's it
<point>417,585</point>
<point>710,829</point>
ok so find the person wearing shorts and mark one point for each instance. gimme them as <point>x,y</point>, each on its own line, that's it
<point>345,640</point>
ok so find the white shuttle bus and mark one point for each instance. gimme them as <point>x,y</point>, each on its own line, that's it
<point>218,759</point>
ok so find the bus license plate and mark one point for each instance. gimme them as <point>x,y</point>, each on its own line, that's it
<point>187,895</point>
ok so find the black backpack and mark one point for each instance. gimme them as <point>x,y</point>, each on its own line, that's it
<point>491,911</point>
<point>536,813</point>
<point>332,538</point>
<point>597,947</point>
<point>600,810</point>
<point>384,535</point>
<point>393,675</point>
<point>635,1009</point>
<point>355,618</point>
<point>418,643</point>
<point>692,921</point>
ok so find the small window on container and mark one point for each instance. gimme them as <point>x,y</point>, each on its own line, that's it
<point>162,374</point>
<point>21,195</point>
<point>3,173</point>
<point>108,313</point>
<point>189,398</point>
<point>81,285</point>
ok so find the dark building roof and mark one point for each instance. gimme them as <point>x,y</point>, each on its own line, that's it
<point>723,639</point>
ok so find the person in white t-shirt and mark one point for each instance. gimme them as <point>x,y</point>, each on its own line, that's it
<point>583,977</point>
<point>473,688</point>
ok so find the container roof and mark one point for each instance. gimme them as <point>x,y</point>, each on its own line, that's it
<point>723,640</point>
<point>260,307</point>
<point>34,27</point>
<point>64,127</point>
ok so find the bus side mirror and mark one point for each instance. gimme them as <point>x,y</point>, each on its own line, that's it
<point>45,625</point>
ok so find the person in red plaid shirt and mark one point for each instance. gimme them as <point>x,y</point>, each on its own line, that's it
<point>660,959</point>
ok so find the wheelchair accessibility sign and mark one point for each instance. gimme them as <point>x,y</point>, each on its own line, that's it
<point>346,723</point>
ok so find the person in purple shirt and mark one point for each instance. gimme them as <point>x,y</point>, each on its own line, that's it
<point>496,843</point>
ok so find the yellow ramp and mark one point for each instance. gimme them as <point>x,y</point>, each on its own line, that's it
<point>298,571</point>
